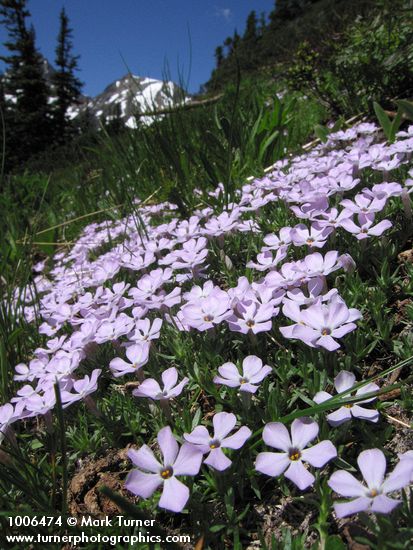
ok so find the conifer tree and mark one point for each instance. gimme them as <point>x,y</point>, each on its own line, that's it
<point>26,110</point>
<point>219,56</point>
<point>67,85</point>
<point>251,32</point>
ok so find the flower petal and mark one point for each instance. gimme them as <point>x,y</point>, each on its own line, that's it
<point>169,378</point>
<point>188,461</point>
<point>259,377</point>
<point>344,381</point>
<point>383,504</point>
<point>251,366</point>
<point>218,460</point>
<point>343,509</point>
<point>321,396</point>
<point>276,435</point>
<point>144,459</point>
<point>303,430</point>
<point>223,423</point>
<point>236,440</point>
<point>343,414</point>
<point>174,496</point>
<point>328,343</point>
<point>177,390</point>
<point>148,388</point>
<point>226,382</point>
<point>272,464</point>
<point>346,485</point>
<point>399,478</point>
<point>319,454</point>
<point>367,389</point>
<point>198,436</point>
<point>372,464</point>
<point>168,445</point>
<point>229,371</point>
<point>365,414</point>
<point>142,484</point>
<point>299,475</point>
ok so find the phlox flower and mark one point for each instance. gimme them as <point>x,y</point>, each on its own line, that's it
<point>52,346</point>
<point>149,284</point>
<point>151,388</point>
<point>288,276</point>
<point>138,355</point>
<point>342,382</point>
<point>332,218</point>
<point>265,260</point>
<point>313,237</point>
<point>145,331</point>
<point>208,289</point>
<point>106,270</point>
<point>383,191</point>
<point>408,456</point>
<point>366,228</point>
<point>40,404</point>
<point>320,324</point>
<point>315,287</point>
<point>8,415</point>
<point>252,316</point>
<point>314,207</point>
<point>207,312</point>
<point>28,373</point>
<point>371,496</point>
<point>110,330</point>
<point>294,452</point>
<point>275,242</point>
<point>136,261</point>
<point>82,388</point>
<point>363,204</point>
<point>253,373</point>
<point>315,265</point>
<point>150,473</point>
<point>223,424</point>
<point>163,299</point>
<point>224,223</point>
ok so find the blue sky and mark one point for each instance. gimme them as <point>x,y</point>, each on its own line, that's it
<point>112,36</point>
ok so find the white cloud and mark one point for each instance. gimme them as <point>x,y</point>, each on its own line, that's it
<point>225,13</point>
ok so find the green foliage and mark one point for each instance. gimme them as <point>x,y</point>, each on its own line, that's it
<point>67,85</point>
<point>264,46</point>
<point>26,111</point>
<point>372,62</point>
<point>389,126</point>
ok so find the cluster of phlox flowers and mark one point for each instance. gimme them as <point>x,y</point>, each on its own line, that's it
<point>85,304</point>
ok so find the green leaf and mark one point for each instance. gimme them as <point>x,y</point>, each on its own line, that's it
<point>216,528</point>
<point>334,542</point>
<point>321,132</point>
<point>264,146</point>
<point>395,125</point>
<point>407,108</point>
<point>197,418</point>
<point>383,119</point>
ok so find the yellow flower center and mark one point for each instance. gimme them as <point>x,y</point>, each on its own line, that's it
<point>167,472</point>
<point>294,455</point>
